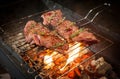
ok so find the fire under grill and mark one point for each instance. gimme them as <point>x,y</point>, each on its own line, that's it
<point>80,62</point>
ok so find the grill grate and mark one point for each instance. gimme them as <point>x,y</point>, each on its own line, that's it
<point>14,37</point>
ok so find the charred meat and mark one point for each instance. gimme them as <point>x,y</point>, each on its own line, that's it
<point>36,33</point>
<point>67,29</point>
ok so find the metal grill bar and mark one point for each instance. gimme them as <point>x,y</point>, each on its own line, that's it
<point>37,69</point>
<point>20,46</point>
<point>101,50</point>
<point>92,10</point>
<point>95,53</point>
<point>18,43</point>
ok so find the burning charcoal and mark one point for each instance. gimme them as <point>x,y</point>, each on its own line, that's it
<point>84,76</point>
<point>81,67</point>
<point>64,78</point>
<point>104,68</point>
<point>90,69</point>
<point>59,60</point>
<point>101,67</point>
<point>99,62</point>
<point>93,63</point>
<point>73,74</point>
<point>31,53</point>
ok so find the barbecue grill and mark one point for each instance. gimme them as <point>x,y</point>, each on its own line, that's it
<point>13,46</point>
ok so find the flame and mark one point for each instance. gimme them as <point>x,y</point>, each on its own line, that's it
<point>61,63</point>
<point>73,73</point>
<point>48,60</point>
<point>74,52</point>
<point>77,71</point>
<point>77,53</point>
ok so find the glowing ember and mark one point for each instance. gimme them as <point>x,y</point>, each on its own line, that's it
<point>61,63</point>
<point>58,65</point>
<point>75,51</point>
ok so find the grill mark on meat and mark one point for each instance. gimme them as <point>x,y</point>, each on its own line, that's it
<point>67,29</point>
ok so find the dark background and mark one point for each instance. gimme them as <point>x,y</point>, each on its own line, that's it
<point>14,9</point>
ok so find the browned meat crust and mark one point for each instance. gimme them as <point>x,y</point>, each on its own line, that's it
<point>38,34</point>
<point>68,29</point>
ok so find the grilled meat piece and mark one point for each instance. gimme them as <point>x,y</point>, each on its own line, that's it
<point>66,28</point>
<point>32,29</point>
<point>70,32</point>
<point>27,30</point>
<point>52,17</point>
<point>51,41</point>
<point>86,37</point>
<point>40,35</point>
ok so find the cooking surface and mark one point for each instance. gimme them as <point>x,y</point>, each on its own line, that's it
<point>109,18</point>
<point>110,21</point>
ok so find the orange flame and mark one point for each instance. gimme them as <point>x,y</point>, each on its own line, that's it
<point>48,60</point>
<point>76,54</point>
<point>73,53</point>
